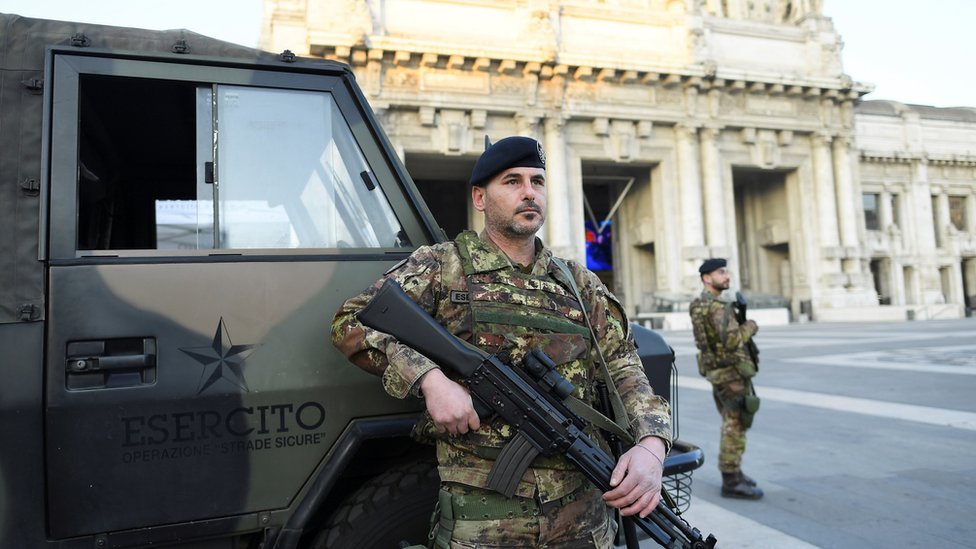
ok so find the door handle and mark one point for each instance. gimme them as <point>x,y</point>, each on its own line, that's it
<point>107,363</point>
<point>110,363</point>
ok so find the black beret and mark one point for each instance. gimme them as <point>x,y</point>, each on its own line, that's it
<point>511,152</point>
<point>711,264</point>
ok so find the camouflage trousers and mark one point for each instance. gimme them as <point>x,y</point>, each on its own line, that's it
<point>732,443</point>
<point>581,521</point>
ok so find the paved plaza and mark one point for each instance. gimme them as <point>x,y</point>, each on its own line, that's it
<point>865,438</point>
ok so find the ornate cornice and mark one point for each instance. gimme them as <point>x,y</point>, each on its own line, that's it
<point>903,157</point>
<point>700,77</point>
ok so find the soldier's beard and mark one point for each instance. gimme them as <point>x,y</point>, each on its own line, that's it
<point>528,227</point>
<point>719,287</point>
<point>515,226</point>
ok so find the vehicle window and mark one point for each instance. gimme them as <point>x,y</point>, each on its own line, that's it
<point>180,166</point>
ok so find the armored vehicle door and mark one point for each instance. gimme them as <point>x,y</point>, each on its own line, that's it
<point>206,219</point>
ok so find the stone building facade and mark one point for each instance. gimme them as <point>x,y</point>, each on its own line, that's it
<point>675,130</point>
<point>918,179</point>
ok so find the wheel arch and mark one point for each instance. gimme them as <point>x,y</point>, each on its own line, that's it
<point>326,490</point>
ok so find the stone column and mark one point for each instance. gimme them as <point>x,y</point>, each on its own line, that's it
<point>885,215</point>
<point>851,217</point>
<point>846,200</point>
<point>971,213</point>
<point>920,208</point>
<point>559,225</point>
<point>673,272</point>
<point>898,296</point>
<point>689,186</point>
<point>911,279</point>
<point>826,200</point>
<point>577,209</point>
<point>942,220</point>
<point>713,192</point>
<point>828,286</point>
<point>927,281</point>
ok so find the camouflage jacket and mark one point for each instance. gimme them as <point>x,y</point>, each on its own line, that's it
<point>474,290</point>
<point>720,339</point>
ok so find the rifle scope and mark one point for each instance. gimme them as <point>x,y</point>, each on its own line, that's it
<point>538,365</point>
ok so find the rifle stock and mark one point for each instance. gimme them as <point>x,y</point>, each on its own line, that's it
<point>393,312</point>
<point>543,424</point>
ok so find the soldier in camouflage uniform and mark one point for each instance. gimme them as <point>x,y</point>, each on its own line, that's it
<point>503,291</point>
<point>725,361</point>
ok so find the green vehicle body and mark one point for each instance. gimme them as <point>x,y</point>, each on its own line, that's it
<point>167,284</point>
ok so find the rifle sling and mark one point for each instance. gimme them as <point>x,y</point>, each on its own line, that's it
<point>618,428</point>
<point>597,419</point>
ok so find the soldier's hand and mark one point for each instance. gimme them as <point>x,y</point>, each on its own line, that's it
<point>449,404</point>
<point>636,480</point>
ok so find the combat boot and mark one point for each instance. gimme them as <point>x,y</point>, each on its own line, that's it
<point>747,479</point>
<point>735,486</point>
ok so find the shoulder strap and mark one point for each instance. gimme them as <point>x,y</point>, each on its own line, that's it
<point>463,244</point>
<point>621,426</point>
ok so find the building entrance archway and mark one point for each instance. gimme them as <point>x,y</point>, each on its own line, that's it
<point>618,222</point>
<point>763,228</point>
<point>881,275</point>
<point>969,285</point>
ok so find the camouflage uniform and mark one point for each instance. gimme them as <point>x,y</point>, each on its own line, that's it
<point>724,360</point>
<point>476,293</point>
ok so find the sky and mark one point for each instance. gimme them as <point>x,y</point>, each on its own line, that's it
<point>911,51</point>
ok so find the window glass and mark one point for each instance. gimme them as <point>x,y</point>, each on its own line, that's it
<point>135,151</point>
<point>896,210</point>
<point>290,175</point>
<point>871,221</point>
<point>189,224</point>
<point>184,224</point>
<point>257,168</point>
<point>957,212</point>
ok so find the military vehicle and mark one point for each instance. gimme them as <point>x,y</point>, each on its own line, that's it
<point>179,219</point>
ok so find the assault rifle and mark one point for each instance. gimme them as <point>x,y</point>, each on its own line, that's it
<point>531,399</point>
<point>740,316</point>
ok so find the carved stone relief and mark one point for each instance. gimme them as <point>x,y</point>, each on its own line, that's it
<point>398,77</point>
<point>670,97</point>
<point>638,95</point>
<point>442,80</point>
<point>770,106</point>
<point>581,91</point>
<point>507,85</point>
<point>732,103</point>
<point>769,11</point>
<point>807,108</point>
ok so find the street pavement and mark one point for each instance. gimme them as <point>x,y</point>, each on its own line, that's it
<point>866,438</point>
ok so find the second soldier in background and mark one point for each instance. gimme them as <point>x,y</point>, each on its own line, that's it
<point>724,359</point>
